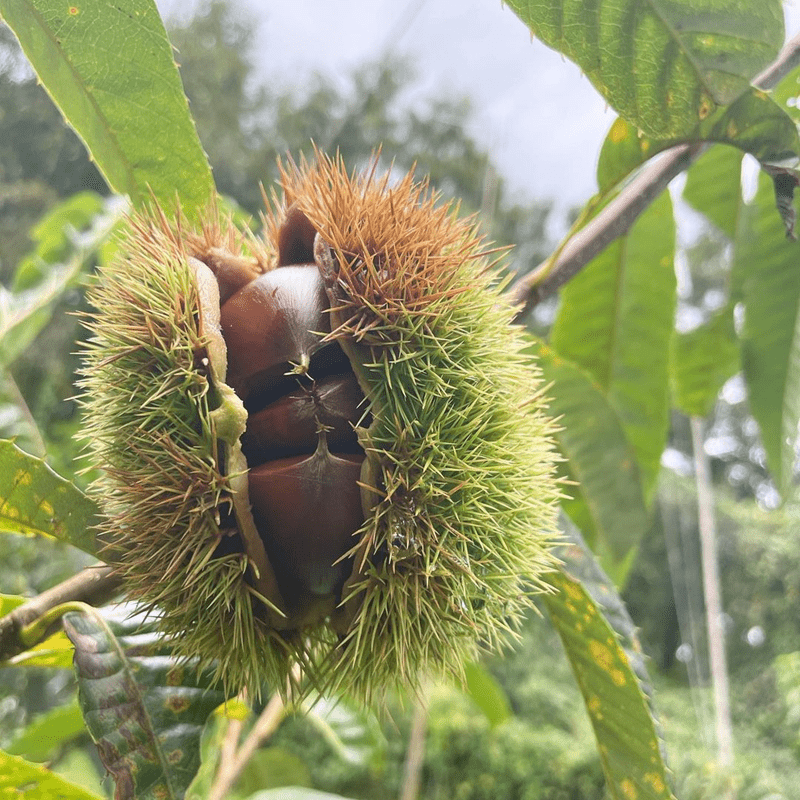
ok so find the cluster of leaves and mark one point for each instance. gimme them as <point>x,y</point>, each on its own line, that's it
<point>616,363</point>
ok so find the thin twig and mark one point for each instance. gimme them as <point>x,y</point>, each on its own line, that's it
<point>618,216</point>
<point>232,760</point>
<point>415,755</point>
<point>94,585</point>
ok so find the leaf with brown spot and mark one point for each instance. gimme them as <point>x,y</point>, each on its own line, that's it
<point>144,712</point>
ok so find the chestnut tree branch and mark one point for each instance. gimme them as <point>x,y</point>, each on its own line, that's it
<point>94,585</point>
<point>618,216</point>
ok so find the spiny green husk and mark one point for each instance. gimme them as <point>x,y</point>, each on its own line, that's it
<point>460,435</point>
<point>459,468</point>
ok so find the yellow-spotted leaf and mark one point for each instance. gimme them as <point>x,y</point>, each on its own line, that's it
<point>753,124</point>
<point>21,780</point>
<point>35,500</point>
<point>600,642</point>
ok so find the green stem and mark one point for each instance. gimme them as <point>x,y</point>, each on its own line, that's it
<point>35,631</point>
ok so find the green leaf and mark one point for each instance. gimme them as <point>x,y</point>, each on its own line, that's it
<point>701,361</point>
<point>610,673</point>
<point>35,500</point>
<point>662,64</point>
<point>48,731</point>
<point>714,188</point>
<point>615,321</point>
<point>487,694</point>
<point>767,266</point>
<point>55,652</point>
<point>600,459</point>
<point>754,124</point>
<point>109,67</point>
<point>22,780</point>
<point>8,602</point>
<point>143,708</point>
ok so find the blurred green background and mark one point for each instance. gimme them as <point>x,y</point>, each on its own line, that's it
<point>536,743</point>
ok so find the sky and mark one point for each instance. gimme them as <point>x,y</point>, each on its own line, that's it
<point>539,117</point>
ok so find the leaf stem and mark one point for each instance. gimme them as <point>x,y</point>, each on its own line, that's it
<point>33,621</point>
<point>617,218</point>
<point>415,755</point>
<point>233,760</point>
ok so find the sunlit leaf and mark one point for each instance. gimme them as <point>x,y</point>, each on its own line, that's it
<point>600,642</point>
<point>615,321</point>
<point>662,64</point>
<point>754,124</point>
<point>21,780</point>
<point>35,500</point>
<point>48,731</point>
<point>54,652</point>
<point>600,458</point>
<point>144,709</point>
<point>110,68</point>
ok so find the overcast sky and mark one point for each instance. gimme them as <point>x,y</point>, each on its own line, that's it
<point>541,120</point>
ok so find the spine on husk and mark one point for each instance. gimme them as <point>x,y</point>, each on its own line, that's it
<point>438,419</point>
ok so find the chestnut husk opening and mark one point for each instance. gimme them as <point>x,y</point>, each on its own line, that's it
<point>307,470</point>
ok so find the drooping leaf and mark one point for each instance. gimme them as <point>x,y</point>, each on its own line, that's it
<point>487,693</point>
<point>16,420</point>
<point>615,321</point>
<point>600,458</point>
<point>600,642</point>
<point>662,64</point>
<point>270,768</point>
<point>21,780</point>
<point>35,500</point>
<point>143,708</point>
<point>714,187</point>
<point>48,731</point>
<point>754,124</point>
<point>766,264</point>
<point>701,361</point>
<point>109,67</point>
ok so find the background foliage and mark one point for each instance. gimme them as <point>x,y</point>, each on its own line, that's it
<point>629,347</point>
